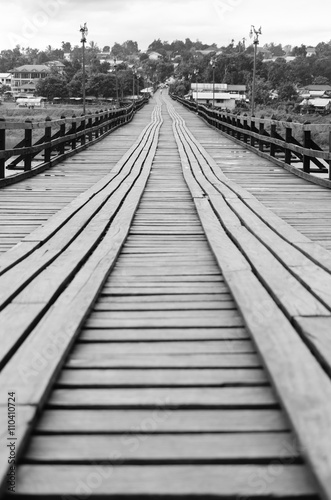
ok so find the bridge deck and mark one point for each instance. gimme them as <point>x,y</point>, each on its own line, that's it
<point>168,337</point>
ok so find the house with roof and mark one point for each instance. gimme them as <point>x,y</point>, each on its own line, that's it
<point>225,96</point>
<point>310,51</point>
<point>154,56</point>
<point>265,53</point>
<point>57,66</point>
<point>5,79</point>
<point>25,78</point>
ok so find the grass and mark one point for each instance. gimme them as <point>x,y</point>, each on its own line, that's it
<point>282,112</point>
<point>11,112</point>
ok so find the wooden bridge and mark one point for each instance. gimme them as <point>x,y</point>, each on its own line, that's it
<point>165,320</point>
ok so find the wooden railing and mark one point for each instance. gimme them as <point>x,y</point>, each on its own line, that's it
<point>60,138</point>
<point>275,139</point>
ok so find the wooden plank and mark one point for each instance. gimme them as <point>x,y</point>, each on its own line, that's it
<point>180,448</point>
<point>316,331</point>
<point>168,361</point>
<point>106,335</point>
<point>217,481</point>
<point>225,397</point>
<point>157,377</point>
<point>103,350</point>
<point>142,421</point>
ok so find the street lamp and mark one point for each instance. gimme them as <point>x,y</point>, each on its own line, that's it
<point>84,31</point>
<point>254,33</point>
<point>212,63</point>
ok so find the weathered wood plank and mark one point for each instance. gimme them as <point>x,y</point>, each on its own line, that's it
<point>143,421</point>
<point>215,481</point>
<point>226,397</point>
<point>157,377</point>
<point>180,448</point>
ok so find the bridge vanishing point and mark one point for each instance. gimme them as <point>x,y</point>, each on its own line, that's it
<point>165,321</point>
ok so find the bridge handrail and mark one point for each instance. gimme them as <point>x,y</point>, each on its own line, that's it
<point>244,129</point>
<point>56,146</point>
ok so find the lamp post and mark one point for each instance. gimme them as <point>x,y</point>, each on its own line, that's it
<point>84,31</point>
<point>212,62</point>
<point>115,66</point>
<point>254,33</point>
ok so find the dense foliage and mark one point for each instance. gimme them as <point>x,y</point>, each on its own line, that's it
<point>185,62</point>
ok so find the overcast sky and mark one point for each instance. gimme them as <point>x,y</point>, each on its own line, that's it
<point>39,23</point>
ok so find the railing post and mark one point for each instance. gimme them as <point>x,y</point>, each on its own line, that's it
<point>100,122</point>
<point>83,124</point>
<point>48,138</point>
<point>273,135</point>
<point>96,124</point>
<point>89,126</point>
<point>288,139</point>
<point>306,144</point>
<point>2,148</point>
<point>252,130</point>
<point>245,128</point>
<point>234,123</point>
<point>28,144</point>
<point>261,133</point>
<point>62,134</point>
<point>73,131</point>
<point>238,123</point>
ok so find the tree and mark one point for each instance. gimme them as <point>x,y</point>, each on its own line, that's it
<point>262,91</point>
<point>66,46</point>
<point>130,47</point>
<point>287,92</point>
<point>299,51</point>
<point>276,50</point>
<point>156,46</point>
<point>101,85</point>
<point>52,86</point>
<point>321,80</point>
<point>4,88</point>
<point>323,49</point>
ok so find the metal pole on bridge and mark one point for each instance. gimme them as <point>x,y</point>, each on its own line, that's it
<point>256,34</point>
<point>84,31</point>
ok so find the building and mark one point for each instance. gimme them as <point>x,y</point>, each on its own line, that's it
<point>266,54</point>
<point>58,66</point>
<point>154,56</point>
<point>225,96</point>
<point>25,78</point>
<point>310,51</point>
<point>5,79</point>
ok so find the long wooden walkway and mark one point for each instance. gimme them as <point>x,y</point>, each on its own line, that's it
<point>166,335</point>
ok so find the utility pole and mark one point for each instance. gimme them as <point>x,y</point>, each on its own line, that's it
<point>254,33</point>
<point>84,31</point>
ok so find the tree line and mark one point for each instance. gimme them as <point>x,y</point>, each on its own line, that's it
<point>184,61</point>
